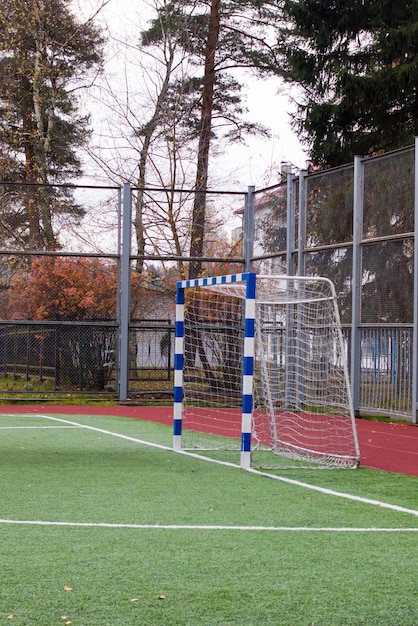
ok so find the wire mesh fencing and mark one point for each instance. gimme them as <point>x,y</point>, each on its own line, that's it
<point>356,226</point>
<point>61,286</point>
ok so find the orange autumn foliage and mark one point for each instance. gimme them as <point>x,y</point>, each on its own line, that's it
<point>66,288</point>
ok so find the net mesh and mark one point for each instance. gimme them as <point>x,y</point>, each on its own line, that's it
<point>302,410</point>
<point>212,369</point>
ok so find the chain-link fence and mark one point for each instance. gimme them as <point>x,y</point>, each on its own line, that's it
<point>88,275</point>
<point>65,295</point>
<point>59,289</point>
<point>45,358</point>
<point>356,226</point>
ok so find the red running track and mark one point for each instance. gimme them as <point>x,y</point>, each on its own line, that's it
<point>392,447</point>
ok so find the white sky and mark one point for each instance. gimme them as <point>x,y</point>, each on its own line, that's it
<point>256,163</point>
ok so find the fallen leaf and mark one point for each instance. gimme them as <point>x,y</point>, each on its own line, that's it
<point>67,588</point>
<point>134,599</point>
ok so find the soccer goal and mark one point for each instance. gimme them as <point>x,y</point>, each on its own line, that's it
<point>261,369</point>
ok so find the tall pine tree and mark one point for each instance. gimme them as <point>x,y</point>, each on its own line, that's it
<point>44,52</point>
<point>356,64</point>
<point>218,37</point>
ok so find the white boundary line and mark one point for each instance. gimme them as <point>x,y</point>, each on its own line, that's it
<point>291,481</point>
<point>37,427</point>
<point>209,527</point>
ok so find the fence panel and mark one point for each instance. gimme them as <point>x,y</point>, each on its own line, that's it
<point>325,247</point>
<point>39,358</point>
<point>60,288</point>
<point>151,358</point>
<point>270,230</point>
<point>386,370</point>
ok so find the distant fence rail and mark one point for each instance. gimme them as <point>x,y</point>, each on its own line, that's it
<point>70,357</point>
<point>57,357</point>
<point>386,376</point>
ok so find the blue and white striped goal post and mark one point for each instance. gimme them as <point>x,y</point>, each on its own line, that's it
<point>249,278</point>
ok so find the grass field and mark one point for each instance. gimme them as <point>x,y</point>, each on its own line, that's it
<point>102,524</point>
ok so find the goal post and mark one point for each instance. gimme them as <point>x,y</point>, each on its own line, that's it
<point>261,372</point>
<point>245,325</point>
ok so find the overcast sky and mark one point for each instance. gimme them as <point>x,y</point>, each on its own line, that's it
<point>256,163</point>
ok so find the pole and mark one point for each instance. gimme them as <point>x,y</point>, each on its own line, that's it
<point>248,229</point>
<point>356,282</point>
<point>303,193</point>
<point>290,236</point>
<point>415,296</point>
<point>178,368</point>
<point>124,294</point>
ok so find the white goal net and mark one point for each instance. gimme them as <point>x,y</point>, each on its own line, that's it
<point>272,363</point>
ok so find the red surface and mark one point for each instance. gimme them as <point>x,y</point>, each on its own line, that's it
<point>391,447</point>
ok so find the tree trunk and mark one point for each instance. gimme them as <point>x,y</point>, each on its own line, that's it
<point>44,119</point>
<point>32,207</point>
<point>148,133</point>
<point>199,205</point>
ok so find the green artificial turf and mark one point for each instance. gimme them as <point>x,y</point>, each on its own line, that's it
<point>214,576</point>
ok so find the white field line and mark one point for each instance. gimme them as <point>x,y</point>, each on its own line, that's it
<point>290,481</point>
<point>38,427</point>
<point>331,529</point>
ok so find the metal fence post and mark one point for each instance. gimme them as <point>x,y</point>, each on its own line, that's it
<point>118,287</point>
<point>303,200</point>
<point>415,297</point>
<point>356,281</point>
<point>248,229</point>
<point>124,293</point>
<point>290,235</point>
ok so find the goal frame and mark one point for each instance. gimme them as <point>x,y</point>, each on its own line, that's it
<point>248,356</point>
<point>249,279</point>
